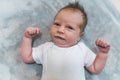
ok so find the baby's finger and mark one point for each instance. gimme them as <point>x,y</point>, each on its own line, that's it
<point>98,41</point>
<point>29,30</point>
<point>33,31</point>
<point>37,30</point>
<point>102,43</point>
<point>106,44</point>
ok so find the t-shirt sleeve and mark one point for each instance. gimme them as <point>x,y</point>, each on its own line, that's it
<point>89,56</point>
<point>37,54</point>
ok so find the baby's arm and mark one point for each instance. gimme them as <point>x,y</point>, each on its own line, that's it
<point>101,57</point>
<point>26,48</point>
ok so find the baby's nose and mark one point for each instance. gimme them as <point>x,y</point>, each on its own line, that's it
<point>61,29</point>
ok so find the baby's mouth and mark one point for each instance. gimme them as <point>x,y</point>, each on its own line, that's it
<point>59,37</point>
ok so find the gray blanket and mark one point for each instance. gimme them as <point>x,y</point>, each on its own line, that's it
<point>17,15</point>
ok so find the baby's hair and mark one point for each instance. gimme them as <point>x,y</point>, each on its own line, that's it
<point>77,7</point>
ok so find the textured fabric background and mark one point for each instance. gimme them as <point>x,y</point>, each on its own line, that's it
<point>17,15</point>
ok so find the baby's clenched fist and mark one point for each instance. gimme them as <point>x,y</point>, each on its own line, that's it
<point>31,32</point>
<point>103,45</point>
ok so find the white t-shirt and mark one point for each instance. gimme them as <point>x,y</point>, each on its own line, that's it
<point>63,63</point>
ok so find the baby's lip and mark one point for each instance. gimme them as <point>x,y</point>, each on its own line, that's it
<point>59,37</point>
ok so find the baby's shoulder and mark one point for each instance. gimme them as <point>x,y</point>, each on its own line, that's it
<point>83,46</point>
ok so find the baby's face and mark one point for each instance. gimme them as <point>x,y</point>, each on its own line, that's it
<point>65,31</point>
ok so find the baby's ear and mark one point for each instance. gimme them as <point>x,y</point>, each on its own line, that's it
<point>81,34</point>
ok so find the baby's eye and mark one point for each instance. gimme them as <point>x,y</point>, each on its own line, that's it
<point>70,27</point>
<point>56,24</point>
